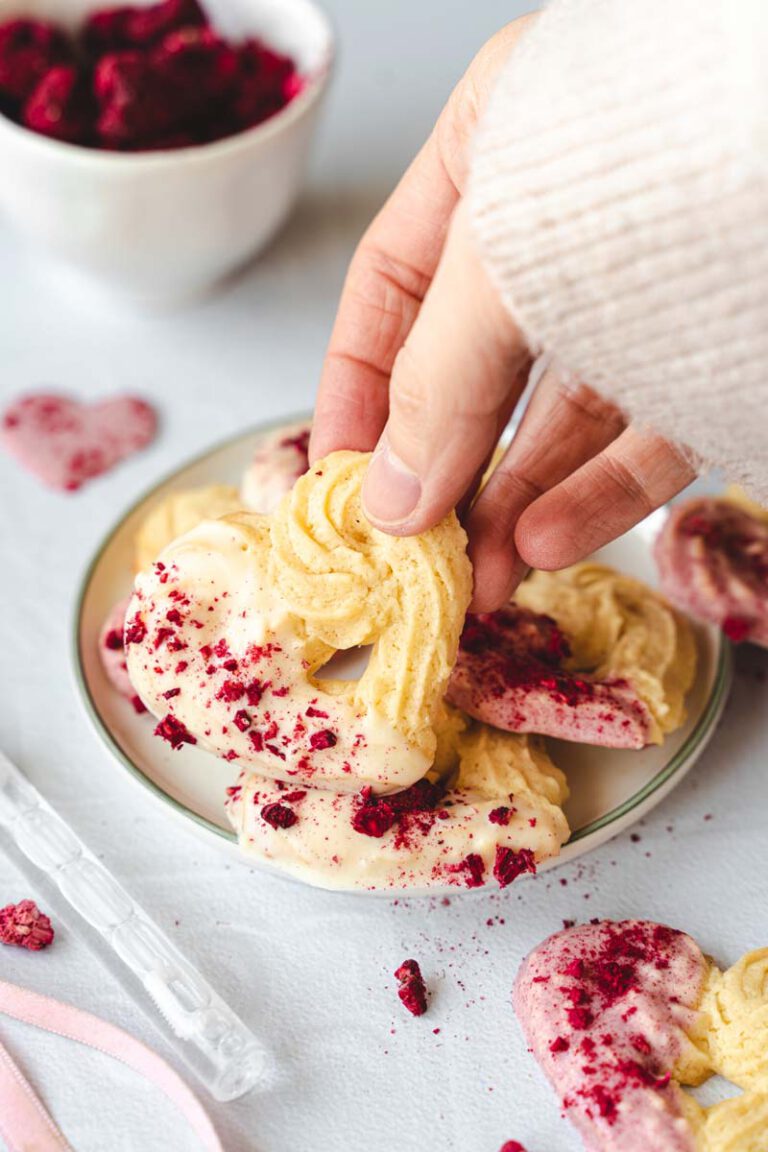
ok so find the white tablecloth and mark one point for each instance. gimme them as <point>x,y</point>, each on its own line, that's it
<point>311,972</point>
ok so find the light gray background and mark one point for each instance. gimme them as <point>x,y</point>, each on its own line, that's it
<point>311,972</point>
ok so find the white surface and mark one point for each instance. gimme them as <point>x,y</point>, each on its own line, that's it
<point>165,226</point>
<point>310,971</point>
<point>602,780</point>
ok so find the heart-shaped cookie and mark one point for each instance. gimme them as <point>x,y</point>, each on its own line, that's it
<point>713,562</point>
<point>586,654</point>
<point>620,1014</point>
<point>65,442</point>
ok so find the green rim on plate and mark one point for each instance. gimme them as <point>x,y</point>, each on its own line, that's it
<point>699,734</point>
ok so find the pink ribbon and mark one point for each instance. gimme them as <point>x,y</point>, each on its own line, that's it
<point>24,1122</point>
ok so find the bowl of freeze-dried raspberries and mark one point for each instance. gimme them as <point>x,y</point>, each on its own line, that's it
<point>155,147</point>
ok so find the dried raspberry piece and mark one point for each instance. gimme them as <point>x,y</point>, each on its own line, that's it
<point>254,692</point>
<point>176,733</point>
<point>279,815</point>
<point>374,819</point>
<point>25,926</point>
<point>412,990</point>
<point>242,720</point>
<point>472,868</point>
<point>231,691</point>
<point>135,630</point>
<point>559,1044</point>
<point>113,640</point>
<point>500,815</point>
<point>29,49</point>
<point>113,29</point>
<point>510,864</point>
<point>319,741</point>
<point>512,1146</point>
<point>61,106</point>
<point>423,796</point>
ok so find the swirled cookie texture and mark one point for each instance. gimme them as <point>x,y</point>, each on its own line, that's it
<point>494,814</point>
<point>227,631</point>
<point>176,514</point>
<point>620,1015</point>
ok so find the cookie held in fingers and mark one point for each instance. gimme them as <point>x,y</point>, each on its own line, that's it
<point>228,630</point>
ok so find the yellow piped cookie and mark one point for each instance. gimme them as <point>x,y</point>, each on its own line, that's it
<point>227,631</point>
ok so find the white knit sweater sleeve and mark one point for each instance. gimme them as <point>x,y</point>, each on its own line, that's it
<point>619,190</point>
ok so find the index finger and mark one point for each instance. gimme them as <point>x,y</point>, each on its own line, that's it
<point>394,265</point>
<point>385,285</point>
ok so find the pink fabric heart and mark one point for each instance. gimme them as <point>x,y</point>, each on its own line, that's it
<point>65,442</point>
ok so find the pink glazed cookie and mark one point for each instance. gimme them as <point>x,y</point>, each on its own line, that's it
<point>511,673</point>
<point>607,1009</point>
<point>713,562</point>
<point>65,442</point>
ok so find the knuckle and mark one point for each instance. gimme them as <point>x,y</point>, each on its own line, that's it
<point>590,406</point>
<point>508,489</point>
<point>456,126</point>
<point>620,474</point>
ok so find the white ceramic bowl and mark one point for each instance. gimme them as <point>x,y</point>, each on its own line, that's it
<point>160,227</point>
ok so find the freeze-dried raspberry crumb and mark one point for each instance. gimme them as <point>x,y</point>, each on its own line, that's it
<point>25,926</point>
<point>231,691</point>
<point>176,733</point>
<point>279,815</point>
<point>135,630</point>
<point>139,706</point>
<point>500,815</point>
<point>412,989</point>
<point>423,796</point>
<point>512,1146</point>
<point>510,864</point>
<point>472,869</point>
<point>254,692</point>
<point>559,1044</point>
<point>171,693</point>
<point>579,1018</point>
<point>374,819</point>
<point>322,740</point>
<point>242,720</point>
<point>113,640</point>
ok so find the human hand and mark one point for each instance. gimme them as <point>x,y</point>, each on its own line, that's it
<point>426,366</point>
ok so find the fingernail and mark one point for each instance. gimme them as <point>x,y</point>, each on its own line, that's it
<point>391,489</point>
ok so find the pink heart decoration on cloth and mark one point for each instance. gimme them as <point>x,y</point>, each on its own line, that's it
<point>65,442</point>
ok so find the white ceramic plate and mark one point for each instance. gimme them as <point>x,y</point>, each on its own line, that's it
<point>609,789</point>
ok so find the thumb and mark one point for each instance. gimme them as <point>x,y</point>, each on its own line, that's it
<point>453,385</point>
